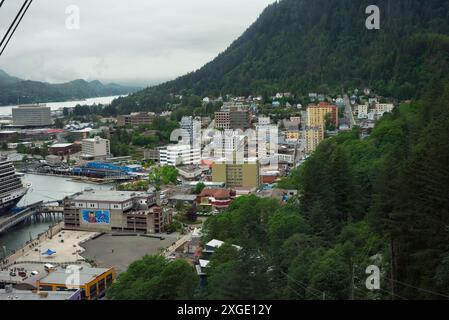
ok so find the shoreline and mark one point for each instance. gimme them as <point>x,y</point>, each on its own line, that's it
<point>30,244</point>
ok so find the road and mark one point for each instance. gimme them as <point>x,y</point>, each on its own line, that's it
<point>170,250</point>
<point>349,113</point>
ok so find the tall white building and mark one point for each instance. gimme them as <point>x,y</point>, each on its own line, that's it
<point>175,155</point>
<point>96,148</point>
<point>32,115</point>
<point>191,131</point>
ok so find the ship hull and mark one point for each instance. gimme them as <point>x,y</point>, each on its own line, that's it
<point>12,188</point>
<point>7,204</point>
<point>7,207</point>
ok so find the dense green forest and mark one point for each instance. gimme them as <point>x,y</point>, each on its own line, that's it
<point>14,90</point>
<point>306,46</point>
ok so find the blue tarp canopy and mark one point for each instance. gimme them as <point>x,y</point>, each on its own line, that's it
<point>49,252</point>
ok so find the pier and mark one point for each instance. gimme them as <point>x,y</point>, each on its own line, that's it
<point>34,211</point>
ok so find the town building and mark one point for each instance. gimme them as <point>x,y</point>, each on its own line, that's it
<point>292,135</point>
<point>152,155</point>
<point>32,115</point>
<point>103,170</point>
<point>238,175</point>
<point>362,111</point>
<point>184,199</point>
<point>264,121</point>
<point>175,155</point>
<point>191,131</point>
<point>296,119</point>
<point>382,108</point>
<point>106,211</point>
<point>234,118</point>
<point>11,294</point>
<point>135,119</point>
<point>53,160</point>
<point>316,114</point>
<point>192,172</point>
<point>93,282</point>
<point>222,120</point>
<point>228,143</point>
<point>64,149</point>
<point>313,137</point>
<point>96,149</point>
<point>218,199</point>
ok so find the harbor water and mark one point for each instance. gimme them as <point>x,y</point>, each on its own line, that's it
<point>43,188</point>
<point>7,110</point>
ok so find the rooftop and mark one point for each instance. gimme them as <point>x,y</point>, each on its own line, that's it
<point>61,145</point>
<point>184,197</point>
<point>216,193</point>
<point>23,106</point>
<point>218,243</point>
<point>33,295</point>
<point>86,275</point>
<point>108,195</point>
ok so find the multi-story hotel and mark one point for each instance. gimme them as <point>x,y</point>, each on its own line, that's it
<point>191,131</point>
<point>238,175</point>
<point>316,114</point>
<point>234,118</point>
<point>135,119</point>
<point>105,211</point>
<point>223,120</point>
<point>32,115</point>
<point>175,155</point>
<point>382,108</point>
<point>96,149</point>
<point>313,137</point>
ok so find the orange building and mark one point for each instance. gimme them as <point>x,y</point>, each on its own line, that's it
<point>316,114</point>
<point>93,282</point>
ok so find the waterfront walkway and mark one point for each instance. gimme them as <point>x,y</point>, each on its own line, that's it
<point>11,220</point>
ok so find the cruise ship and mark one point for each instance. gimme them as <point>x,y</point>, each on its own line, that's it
<point>12,188</point>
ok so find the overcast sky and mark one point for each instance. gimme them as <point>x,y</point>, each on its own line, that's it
<point>126,41</point>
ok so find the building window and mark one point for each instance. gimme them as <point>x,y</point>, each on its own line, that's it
<point>93,291</point>
<point>109,280</point>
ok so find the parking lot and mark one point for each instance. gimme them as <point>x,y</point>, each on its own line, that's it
<point>120,251</point>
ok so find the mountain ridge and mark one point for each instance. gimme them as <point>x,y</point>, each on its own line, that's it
<point>13,89</point>
<point>322,45</point>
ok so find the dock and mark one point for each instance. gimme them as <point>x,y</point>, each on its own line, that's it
<point>38,209</point>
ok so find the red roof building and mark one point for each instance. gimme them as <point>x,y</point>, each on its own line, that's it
<point>217,198</point>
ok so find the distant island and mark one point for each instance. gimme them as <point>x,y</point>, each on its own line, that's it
<point>14,90</point>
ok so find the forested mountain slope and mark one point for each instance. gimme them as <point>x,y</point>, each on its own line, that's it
<point>323,45</point>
